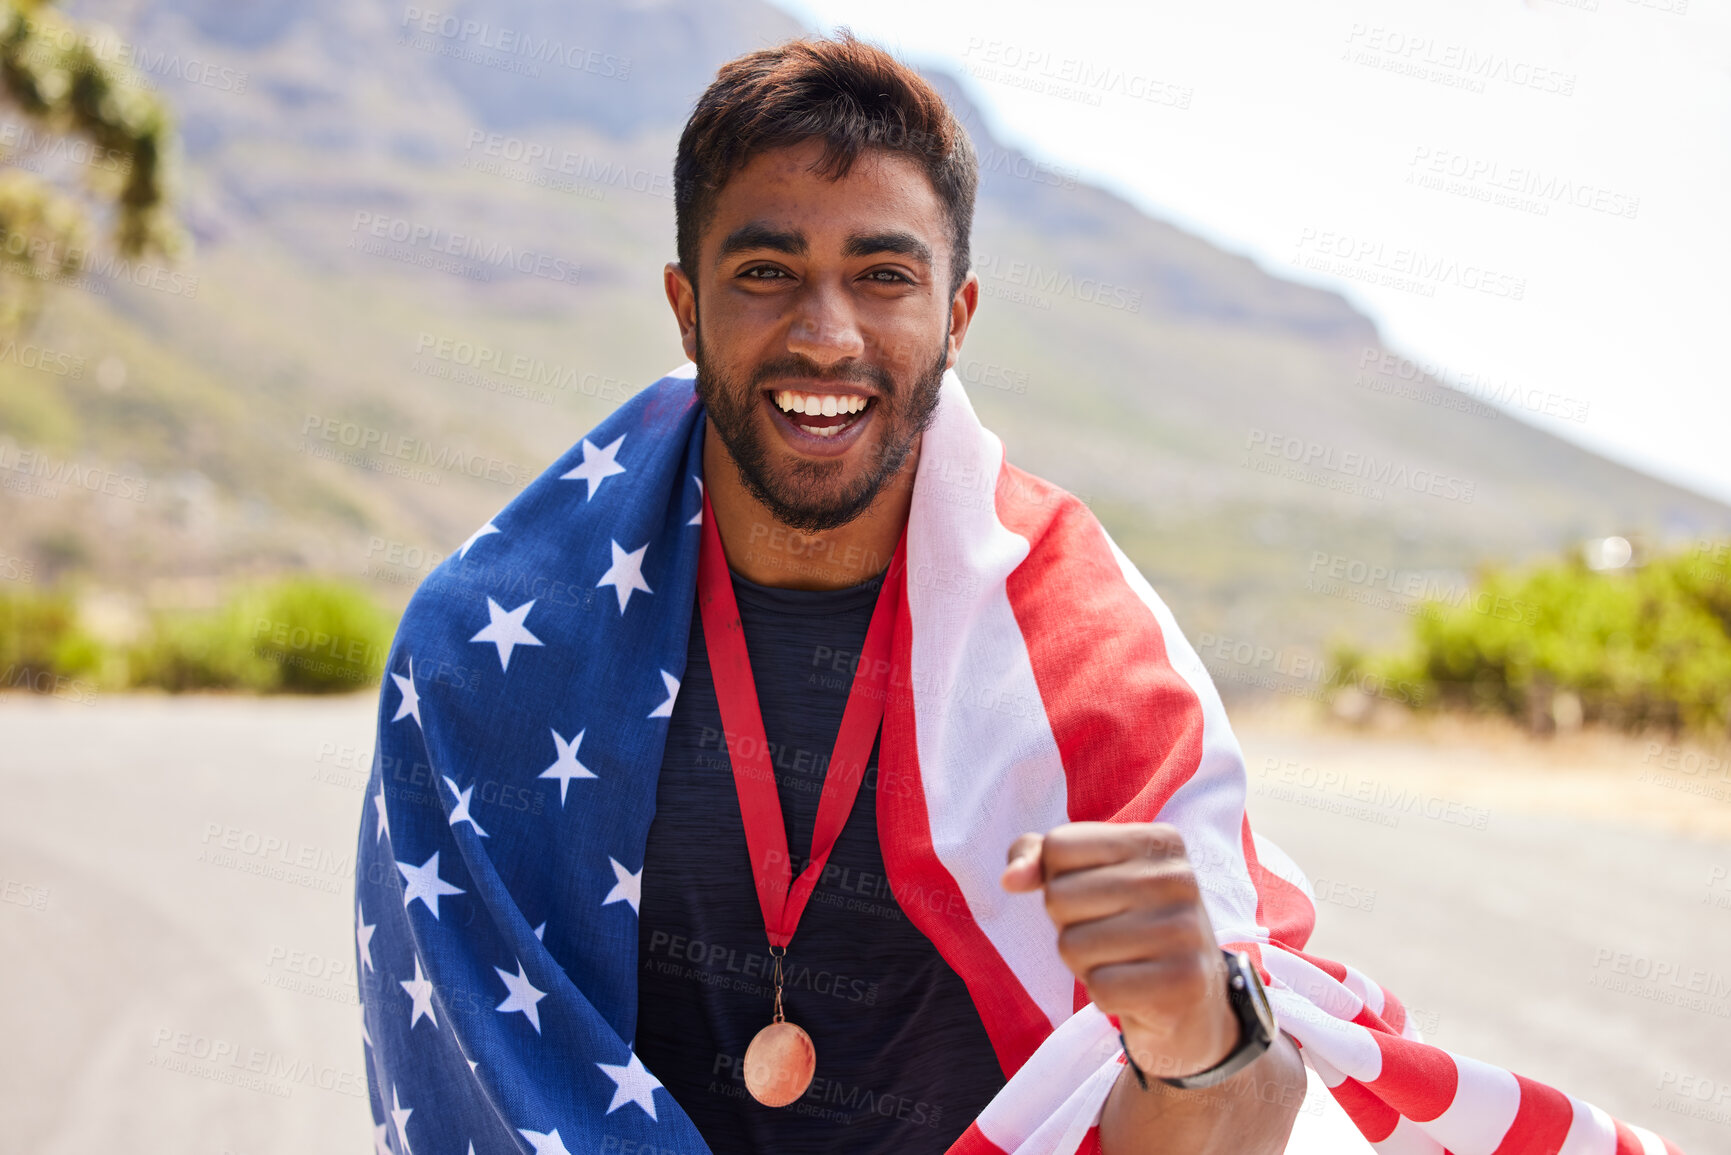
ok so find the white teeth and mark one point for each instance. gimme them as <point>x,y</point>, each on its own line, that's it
<point>826,404</point>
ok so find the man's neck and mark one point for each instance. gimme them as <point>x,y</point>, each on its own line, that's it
<point>763,549</point>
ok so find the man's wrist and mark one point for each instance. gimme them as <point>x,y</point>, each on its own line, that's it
<point>1249,1031</point>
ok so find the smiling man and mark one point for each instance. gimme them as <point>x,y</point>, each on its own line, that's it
<point>842,788</point>
<point>822,291</point>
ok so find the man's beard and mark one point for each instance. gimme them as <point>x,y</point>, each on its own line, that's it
<point>804,496</point>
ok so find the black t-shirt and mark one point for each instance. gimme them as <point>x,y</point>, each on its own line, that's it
<point>903,1061</point>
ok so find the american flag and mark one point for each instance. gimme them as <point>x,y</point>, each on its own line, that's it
<point>1039,680</point>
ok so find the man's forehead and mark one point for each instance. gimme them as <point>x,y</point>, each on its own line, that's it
<point>778,196</point>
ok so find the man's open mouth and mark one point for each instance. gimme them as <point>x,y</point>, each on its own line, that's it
<point>820,414</point>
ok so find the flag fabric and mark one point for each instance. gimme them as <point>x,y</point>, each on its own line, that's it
<point>1038,680</point>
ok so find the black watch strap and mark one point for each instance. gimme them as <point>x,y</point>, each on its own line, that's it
<point>1256,1029</point>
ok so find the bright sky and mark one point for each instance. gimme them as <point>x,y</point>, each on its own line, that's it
<point>1546,184</point>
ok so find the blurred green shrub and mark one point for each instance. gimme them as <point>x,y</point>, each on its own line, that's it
<point>300,635</point>
<point>1643,647</point>
<point>40,640</point>
<point>291,635</point>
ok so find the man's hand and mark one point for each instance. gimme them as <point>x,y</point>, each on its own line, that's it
<point>1132,927</point>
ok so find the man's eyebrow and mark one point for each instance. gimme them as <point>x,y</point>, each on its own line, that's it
<point>758,235</point>
<point>889,241</point>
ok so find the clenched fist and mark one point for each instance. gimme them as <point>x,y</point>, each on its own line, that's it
<point>1132,927</point>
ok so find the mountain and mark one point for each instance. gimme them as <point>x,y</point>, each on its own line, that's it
<point>365,181</point>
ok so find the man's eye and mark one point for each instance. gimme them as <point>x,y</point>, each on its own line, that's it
<point>769,272</point>
<point>893,277</point>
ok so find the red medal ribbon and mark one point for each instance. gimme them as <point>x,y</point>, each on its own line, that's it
<point>748,749</point>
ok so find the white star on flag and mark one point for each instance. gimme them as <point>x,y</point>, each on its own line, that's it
<point>460,812</point>
<point>420,989</point>
<point>545,1144</point>
<point>423,882</point>
<point>463,550</point>
<point>384,819</point>
<point>634,1085</point>
<point>364,938</point>
<point>506,630</point>
<point>400,1114</point>
<point>625,575</point>
<point>697,518</point>
<point>365,1038</point>
<point>380,1145</point>
<point>597,468</point>
<point>541,928</point>
<point>566,766</point>
<point>410,706</point>
<point>523,996</point>
<point>628,888</point>
<point>665,710</point>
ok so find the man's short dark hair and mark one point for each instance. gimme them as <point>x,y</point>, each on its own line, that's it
<point>852,95</point>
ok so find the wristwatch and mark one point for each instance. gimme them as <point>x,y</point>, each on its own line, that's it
<point>1256,1028</point>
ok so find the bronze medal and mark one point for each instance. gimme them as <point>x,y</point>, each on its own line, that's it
<point>779,1064</point>
<point>780,1061</point>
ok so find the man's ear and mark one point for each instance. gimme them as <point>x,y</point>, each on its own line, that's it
<point>962,307</point>
<point>683,299</point>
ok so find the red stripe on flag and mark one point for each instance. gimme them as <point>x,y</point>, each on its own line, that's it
<point>1393,1011</point>
<point>974,1142</point>
<point>1541,1123</point>
<point>1280,906</point>
<point>924,887</point>
<point>1327,966</point>
<point>1417,1079</point>
<point>1375,1119</point>
<point>1128,727</point>
<point>1628,1143</point>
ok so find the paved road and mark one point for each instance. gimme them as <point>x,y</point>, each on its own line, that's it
<point>168,994</point>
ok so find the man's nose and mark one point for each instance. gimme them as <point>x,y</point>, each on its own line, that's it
<point>824,327</point>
